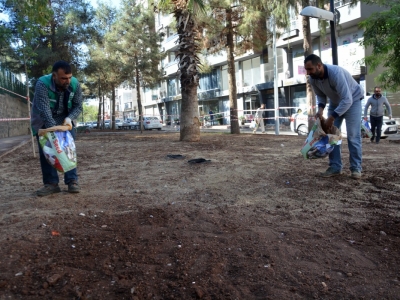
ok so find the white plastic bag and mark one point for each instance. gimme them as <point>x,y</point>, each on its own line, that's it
<point>253,124</point>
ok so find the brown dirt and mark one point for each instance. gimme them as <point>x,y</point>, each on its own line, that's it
<point>253,223</point>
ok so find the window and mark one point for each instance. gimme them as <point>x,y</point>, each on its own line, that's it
<point>172,87</point>
<point>292,18</point>
<point>224,75</point>
<point>171,56</point>
<point>251,72</point>
<point>209,81</point>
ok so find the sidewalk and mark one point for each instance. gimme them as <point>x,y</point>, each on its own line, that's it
<point>7,145</point>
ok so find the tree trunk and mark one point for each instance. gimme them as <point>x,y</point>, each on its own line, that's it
<point>188,67</point>
<point>232,76</point>
<point>99,118</point>
<point>307,45</point>
<point>104,112</point>
<point>139,99</point>
<point>113,106</point>
<point>189,121</point>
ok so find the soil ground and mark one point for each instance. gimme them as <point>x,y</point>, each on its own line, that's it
<point>254,222</point>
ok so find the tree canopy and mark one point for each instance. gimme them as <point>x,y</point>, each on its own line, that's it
<point>382,34</point>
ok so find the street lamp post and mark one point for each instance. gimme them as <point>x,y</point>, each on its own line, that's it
<point>314,12</point>
<point>333,34</point>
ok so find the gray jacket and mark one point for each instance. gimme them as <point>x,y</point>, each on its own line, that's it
<point>339,86</point>
<point>377,107</point>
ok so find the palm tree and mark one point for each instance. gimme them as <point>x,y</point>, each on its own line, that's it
<point>184,12</point>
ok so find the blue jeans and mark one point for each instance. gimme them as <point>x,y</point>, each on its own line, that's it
<point>50,174</point>
<point>353,125</point>
<point>376,123</point>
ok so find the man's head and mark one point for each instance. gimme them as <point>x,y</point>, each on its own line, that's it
<point>377,92</point>
<point>262,106</point>
<point>314,66</point>
<point>62,75</point>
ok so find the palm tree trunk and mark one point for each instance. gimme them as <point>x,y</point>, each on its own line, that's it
<point>188,67</point>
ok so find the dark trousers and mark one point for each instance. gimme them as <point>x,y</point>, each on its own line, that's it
<point>50,174</point>
<point>376,127</point>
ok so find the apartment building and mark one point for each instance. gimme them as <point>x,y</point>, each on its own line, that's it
<point>350,51</point>
<point>255,71</point>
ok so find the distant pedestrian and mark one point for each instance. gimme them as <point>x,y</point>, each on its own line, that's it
<point>57,101</point>
<point>258,118</point>
<point>377,101</point>
<point>211,117</point>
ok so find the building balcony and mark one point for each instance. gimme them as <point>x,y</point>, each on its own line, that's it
<point>170,44</point>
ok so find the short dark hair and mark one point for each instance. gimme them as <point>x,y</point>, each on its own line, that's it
<point>62,65</point>
<point>315,59</point>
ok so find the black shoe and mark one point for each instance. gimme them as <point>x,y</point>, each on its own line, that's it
<point>330,172</point>
<point>372,139</point>
<point>73,187</point>
<point>48,189</point>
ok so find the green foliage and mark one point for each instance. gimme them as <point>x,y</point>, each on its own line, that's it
<point>382,34</point>
<point>43,32</point>
<point>204,66</point>
<point>89,113</point>
<point>137,44</point>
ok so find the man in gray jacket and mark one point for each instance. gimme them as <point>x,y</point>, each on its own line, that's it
<point>376,113</point>
<point>344,94</point>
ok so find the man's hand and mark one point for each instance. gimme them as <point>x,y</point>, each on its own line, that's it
<point>329,122</point>
<point>68,122</point>
<point>319,113</point>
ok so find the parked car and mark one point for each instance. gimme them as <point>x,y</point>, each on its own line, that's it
<point>299,124</point>
<point>94,124</point>
<point>130,123</point>
<point>89,124</point>
<point>80,124</point>
<point>152,123</point>
<point>107,124</point>
<point>118,123</point>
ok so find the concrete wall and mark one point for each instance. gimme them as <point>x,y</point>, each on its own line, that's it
<point>11,108</point>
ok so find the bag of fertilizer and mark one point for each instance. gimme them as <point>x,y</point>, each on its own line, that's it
<point>318,143</point>
<point>59,149</point>
<point>365,127</point>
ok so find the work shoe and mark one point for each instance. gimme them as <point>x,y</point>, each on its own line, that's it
<point>48,189</point>
<point>372,139</point>
<point>356,174</point>
<point>73,187</point>
<point>330,172</point>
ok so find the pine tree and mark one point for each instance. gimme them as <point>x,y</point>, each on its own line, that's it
<point>138,46</point>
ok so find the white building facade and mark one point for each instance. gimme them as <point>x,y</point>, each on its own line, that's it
<point>255,71</point>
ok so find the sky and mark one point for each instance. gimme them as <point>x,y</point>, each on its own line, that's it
<point>114,3</point>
